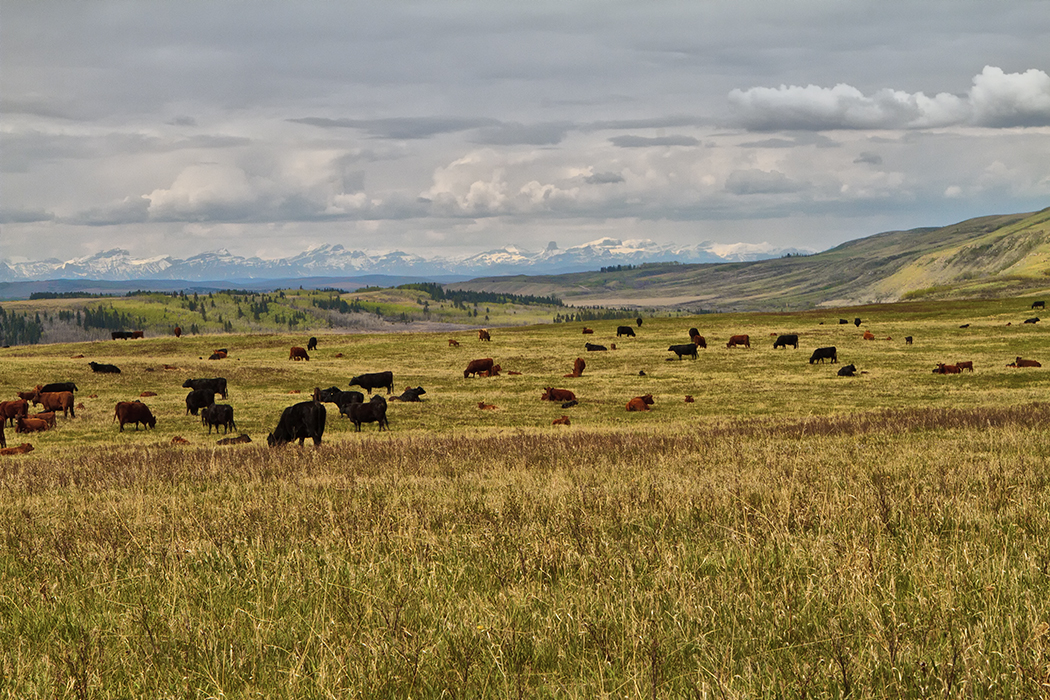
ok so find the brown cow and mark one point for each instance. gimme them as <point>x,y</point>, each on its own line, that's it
<point>138,334</point>
<point>179,440</point>
<point>588,331</point>
<point>59,400</point>
<point>483,334</point>
<point>48,416</point>
<point>20,450</point>
<point>552,394</point>
<point>453,343</point>
<point>698,340</point>
<point>218,355</point>
<point>240,439</point>
<point>134,412</point>
<point>564,420</point>
<point>577,368</point>
<point>177,331</point>
<point>486,406</point>
<point>689,399</point>
<point>30,425</point>
<point>297,353</point>
<point>477,366</point>
<point>640,403</point>
<point>10,410</point>
<point>494,372</point>
<point>942,368</point>
<point>965,364</point>
<point>868,335</point>
<point>147,394</point>
<point>1024,363</point>
<point>735,340</point>
<point>28,395</point>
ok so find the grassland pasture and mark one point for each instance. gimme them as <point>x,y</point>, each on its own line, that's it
<point>790,533</point>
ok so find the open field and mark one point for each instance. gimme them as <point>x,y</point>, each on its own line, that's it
<point>790,534</point>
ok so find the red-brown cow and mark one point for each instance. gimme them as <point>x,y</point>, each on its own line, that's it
<point>177,331</point>
<point>30,425</point>
<point>577,368</point>
<point>564,420</point>
<point>698,340</point>
<point>552,394</point>
<point>735,340</point>
<point>477,366</point>
<point>483,334</point>
<point>47,416</point>
<point>965,364</point>
<point>297,353</point>
<point>20,450</point>
<point>640,403</point>
<point>1024,363</point>
<point>134,412</point>
<point>486,406</point>
<point>494,372</point>
<point>868,335</point>
<point>59,401</point>
<point>588,331</point>
<point>942,368</point>
<point>453,343</point>
<point>10,410</point>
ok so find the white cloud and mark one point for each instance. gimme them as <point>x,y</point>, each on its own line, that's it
<point>997,99</point>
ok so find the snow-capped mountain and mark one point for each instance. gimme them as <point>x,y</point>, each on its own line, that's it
<point>336,261</point>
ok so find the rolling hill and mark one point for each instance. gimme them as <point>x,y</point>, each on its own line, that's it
<point>986,257</point>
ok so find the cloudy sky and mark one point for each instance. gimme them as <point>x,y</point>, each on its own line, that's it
<point>448,128</point>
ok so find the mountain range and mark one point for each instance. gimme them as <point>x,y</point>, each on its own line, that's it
<point>338,261</point>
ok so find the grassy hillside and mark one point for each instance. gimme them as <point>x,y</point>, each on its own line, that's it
<point>791,533</point>
<point>992,256</point>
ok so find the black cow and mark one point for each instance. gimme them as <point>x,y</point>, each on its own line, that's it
<point>1034,319</point>
<point>591,347</point>
<point>334,394</point>
<point>104,368</point>
<point>624,330</point>
<point>375,380</point>
<point>824,354</point>
<point>638,321</point>
<point>198,399</point>
<point>907,340</point>
<point>58,386</point>
<point>684,349</point>
<point>785,340</point>
<point>215,384</point>
<point>121,335</point>
<point>847,371</point>
<point>1038,304</point>
<point>856,322</point>
<point>298,422</point>
<point>218,414</point>
<point>311,344</point>
<point>410,394</point>
<point>693,332</point>
<point>372,412</point>
<point>843,321</point>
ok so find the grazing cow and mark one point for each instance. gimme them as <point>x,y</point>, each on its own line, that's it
<point>453,343</point>
<point>47,416</point>
<point>240,439</point>
<point>198,399</point>
<point>494,372</point>
<point>177,331</point>
<point>638,321</point>
<point>1038,304</point>
<point>868,335</point>
<point>624,330</point>
<point>215,384</point>
<point>20,450</point>
<point>588,331</point>
<point>1034,319</point>
<point>120,335</point>
<point>30,425</point>
<point>102,368</point>
<point>856,322</point>
<point>10,410</point>
<point>311,344</point>
<point>640,403</point>
<point>410,394</point>
<point>965,364</point>
<point>577,368</point>
<point>552,394</point>
<point>134,412</point>
<point>59,401</point>
<point>824,354</point>
<point>298,422</point>
<point>1024,363</point>
<point>375,380</point>
<point>372,412</point>
<point>591,347</point>
<point>218,414</point>
<point>486,406</point>
<point>337,396</point>
<point>699,341</point>
<point>564,420</point>
<point>783,341</point>
<point>735,340</point>
<point>684,349</point>
<point>57,386</point>
<point>942,368</point>
<point>477,366</point>
<point>483,334</point>
<point>907,340</point>
<point>847,371</point>
<point>297,353</point>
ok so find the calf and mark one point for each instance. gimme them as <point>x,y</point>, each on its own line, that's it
<point>477,366</point>
<point>588,331</point>
<point>942,368</point>
<point>30,425</point>
<point>552,394</point>
<point>824,354</point>
<point>624,330</point>
<point>46,416</point>
<point>577,368</point>
<point>216,385</point>
<point>372,412</point>
<point>682,350</point>
<point>59,401</point>
<point>784,340</point>
<point>640,403</point>
<point>486,406</point>
<point>198,399</point>
<point>965,364</point>
<point>847,371</point>
<point>102,368</point>
<point>591,347</point>
<point>453,343</point>
<point>1024,363</point>
<point>868,335</point>
<point>297,353</point>
<point>177,331</point>
<point>134,412</point>
<point>298,422</point>
<point>20,450</point>
<point>218,414</point>
<point>220,355</point>
<point>1034,319</point>
<point>375,380</point>
<point>564,420</point>
<point>240,439</point>
<point>735,340</point>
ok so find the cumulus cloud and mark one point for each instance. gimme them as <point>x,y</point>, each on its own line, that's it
<point>996,100</point>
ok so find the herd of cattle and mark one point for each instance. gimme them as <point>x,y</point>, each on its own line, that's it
<point>307,419</point>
